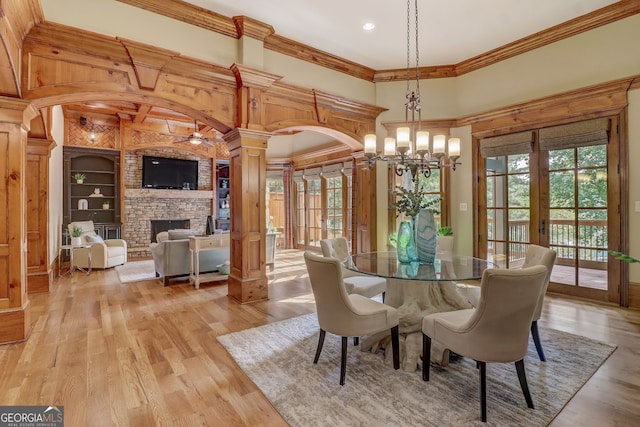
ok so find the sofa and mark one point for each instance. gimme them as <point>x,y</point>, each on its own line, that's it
<point>104,253</point>
<point>171,255</point>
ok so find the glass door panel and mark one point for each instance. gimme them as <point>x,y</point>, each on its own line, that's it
<point>578,230</point>
<point>508,210</point>
<point>334,207</point>
<point>314,192</point>
<point>301,223</point>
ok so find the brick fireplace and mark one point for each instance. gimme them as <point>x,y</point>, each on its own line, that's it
<point>142,205</point>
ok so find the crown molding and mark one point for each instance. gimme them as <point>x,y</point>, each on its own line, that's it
<point>212,21</point>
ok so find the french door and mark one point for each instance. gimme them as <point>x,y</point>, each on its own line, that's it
<point>323,205</point>
<point>557,188</point>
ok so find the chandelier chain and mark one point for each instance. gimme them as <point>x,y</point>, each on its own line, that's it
<point>413,152</point>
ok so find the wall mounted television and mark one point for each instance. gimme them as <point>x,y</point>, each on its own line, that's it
<point>166,173</point>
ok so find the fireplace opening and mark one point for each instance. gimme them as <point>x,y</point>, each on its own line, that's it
<point>160,225</point>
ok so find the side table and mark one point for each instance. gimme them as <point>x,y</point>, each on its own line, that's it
<point>199,244</point>
<point>72,266</point>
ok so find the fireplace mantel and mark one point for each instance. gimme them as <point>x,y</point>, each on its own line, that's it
<point>167,194</point>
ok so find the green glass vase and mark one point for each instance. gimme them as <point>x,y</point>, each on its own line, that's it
<point>406,244</point>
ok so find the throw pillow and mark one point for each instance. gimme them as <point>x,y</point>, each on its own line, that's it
<point>181,234</point>
<point>93,238</point>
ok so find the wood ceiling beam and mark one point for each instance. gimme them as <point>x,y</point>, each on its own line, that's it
<point>143,111</point>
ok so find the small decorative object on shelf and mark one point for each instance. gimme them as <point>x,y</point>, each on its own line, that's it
<point>83,204</point>
<point>105,205</point>
<point>79,177</point>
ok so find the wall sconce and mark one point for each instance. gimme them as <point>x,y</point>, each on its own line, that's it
<point>92,133</point>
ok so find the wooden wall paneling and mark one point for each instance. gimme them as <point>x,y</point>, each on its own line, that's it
<point>248,280</point>
<point>365,208</point>
<point>352,118</point>
<point>39,273</point>
<point>16,19</point>
<point>15,116</point>
<point>286,106</point>
<point>580,104</point>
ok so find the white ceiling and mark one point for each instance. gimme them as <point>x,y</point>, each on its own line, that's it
<point>450,30</point>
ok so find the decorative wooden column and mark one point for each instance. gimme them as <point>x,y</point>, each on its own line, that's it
<point>15,116</point>
<point>248,278</point>
<point>37,226</point>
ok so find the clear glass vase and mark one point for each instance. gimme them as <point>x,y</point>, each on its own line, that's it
<point>406,244</point>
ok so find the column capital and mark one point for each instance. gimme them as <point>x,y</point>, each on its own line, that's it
<point>17,111</point>
<point>242,137</point>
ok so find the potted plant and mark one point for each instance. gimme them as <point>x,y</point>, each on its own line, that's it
<point>79,177</point>
<point>623,257</point>
<point>445,240</point>
<point>76,232</point>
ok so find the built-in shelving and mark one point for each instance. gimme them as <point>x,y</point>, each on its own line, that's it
<point>223,199</point>
<point>86,200</point>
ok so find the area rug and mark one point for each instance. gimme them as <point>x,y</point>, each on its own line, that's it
<point>136,271</point>
<point>278,358</point>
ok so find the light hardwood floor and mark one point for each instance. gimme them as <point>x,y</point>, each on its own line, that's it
<point>140,354</point>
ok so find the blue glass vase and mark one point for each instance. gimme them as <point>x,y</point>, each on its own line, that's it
<point>426,236</point>
<point>406,245</point>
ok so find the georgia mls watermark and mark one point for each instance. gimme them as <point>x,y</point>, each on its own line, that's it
<point>31,416</point>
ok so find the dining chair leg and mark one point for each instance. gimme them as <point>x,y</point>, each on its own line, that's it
<point>536,340</point>
<point>383,295</point>
<point>523,382</point>
<point>320,343</point>
<point>343,361</point>
<point>395,345</point>
<point>426,357</point>
<point>356,340</point>
<point>483,391</point>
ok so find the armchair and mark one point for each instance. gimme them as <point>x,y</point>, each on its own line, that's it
<point>347,315</point>
<point>536,255</point>
<point>104,253</point>
<point>368,286</point>
<point>496,331</point>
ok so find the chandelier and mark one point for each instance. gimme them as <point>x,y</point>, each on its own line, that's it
<point>411,149</point>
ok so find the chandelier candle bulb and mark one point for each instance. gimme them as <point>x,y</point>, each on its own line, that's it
<point>438,144</point>
<point>370,143</point>
<point>422,141</point>
<point>404,136</point>
<point>454,148</point>
<point>389,146</point>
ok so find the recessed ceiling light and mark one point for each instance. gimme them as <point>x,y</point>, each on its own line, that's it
<point>368,26</point>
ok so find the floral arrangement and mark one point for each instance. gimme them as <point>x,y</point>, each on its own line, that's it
<point>79,176</point>
<point>411,201</point>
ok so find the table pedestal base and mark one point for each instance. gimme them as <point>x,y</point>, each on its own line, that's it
<point>414,300</point>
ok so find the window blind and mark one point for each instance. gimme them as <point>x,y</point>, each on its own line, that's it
<point>572,135</point>
<point>504,145</point>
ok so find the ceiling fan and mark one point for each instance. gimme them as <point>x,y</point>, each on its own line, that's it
<point>196,137</point>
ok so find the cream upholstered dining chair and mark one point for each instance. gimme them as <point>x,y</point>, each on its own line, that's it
<point>347,315</point>
<point>365,285</point>
<point>496,331</point>
<point>104,253</point>
<point>536,255</point>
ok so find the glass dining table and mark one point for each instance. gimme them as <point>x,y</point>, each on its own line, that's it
<point>416,290</point>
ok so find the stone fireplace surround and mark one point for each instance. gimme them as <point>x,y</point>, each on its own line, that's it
<point>141,205</point>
